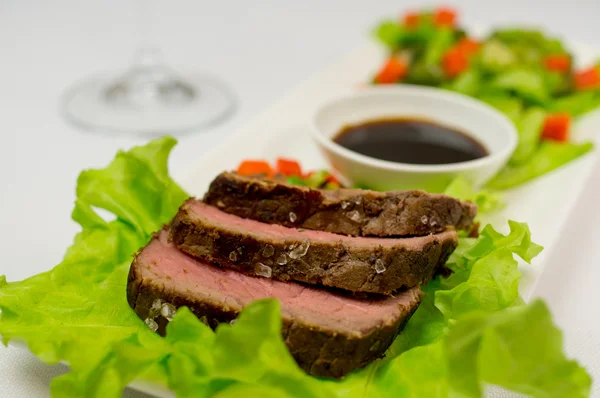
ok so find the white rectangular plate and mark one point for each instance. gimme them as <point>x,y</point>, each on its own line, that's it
<point>283,131</point>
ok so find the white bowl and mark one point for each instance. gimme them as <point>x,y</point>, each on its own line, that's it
<point>482,122</point>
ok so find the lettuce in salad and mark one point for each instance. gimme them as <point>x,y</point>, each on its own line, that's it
<point>525,73</point>
<point>549,156</point>
<point>470,331</point>
<point>487,200</point>
<point>577,104</point>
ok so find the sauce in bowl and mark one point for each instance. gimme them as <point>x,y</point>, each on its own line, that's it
<point>410,140</point>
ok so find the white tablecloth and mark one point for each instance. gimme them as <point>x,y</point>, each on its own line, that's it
<point>263,49</point>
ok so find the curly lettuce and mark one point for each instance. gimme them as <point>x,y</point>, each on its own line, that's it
<point>470,331</point>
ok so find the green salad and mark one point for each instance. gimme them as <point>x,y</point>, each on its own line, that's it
<point>524,73</point>
<point>471,330</point>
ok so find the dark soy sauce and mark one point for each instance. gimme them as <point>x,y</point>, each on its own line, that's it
<point>409,140</point>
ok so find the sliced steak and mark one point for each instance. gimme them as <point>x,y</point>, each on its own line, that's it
<point>357,264</point>
<point>354,212</point>
<point>329,334</point>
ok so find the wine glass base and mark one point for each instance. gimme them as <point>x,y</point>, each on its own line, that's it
<point>86,105</point>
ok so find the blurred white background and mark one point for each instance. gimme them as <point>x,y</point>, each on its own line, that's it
<point>263,49</point>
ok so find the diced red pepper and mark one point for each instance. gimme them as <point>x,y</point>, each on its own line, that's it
<point>392,72</point>
<point>456,59</point>
<point>556,127</point>
<point>288,167</point>
<point>467,46</point>
<point>411,19</point>
<point>444,16</point>
<point>558,63</point>
<point>332,180</point>
<point>251,167</point>
<point>587,79</point>
<point>329,179</point>
<point>454,62</point>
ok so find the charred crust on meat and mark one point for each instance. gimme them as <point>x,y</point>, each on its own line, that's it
<point>334,263</point>
<point>396,213</point>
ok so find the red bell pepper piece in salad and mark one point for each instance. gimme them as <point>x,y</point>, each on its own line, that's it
<point>332,180</point>
<point>587,79</point>
<point>456,59</point>
<point>291,170</point>
<point>252,167</point>
<point>317,178</point>
<point>444,16</point>
<point>468,46</point>
<point>558,63</point>
<point>556,127</point>
<point>411,19</point>
<point>454,62</point>
<point>392,72</point>
<point>288,167</point>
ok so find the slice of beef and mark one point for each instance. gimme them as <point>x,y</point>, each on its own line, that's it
<point>354,212</point>
<point>329,334</point>
<point>357,264</point>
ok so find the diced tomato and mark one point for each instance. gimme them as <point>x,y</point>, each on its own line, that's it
<point>558,63</point>
<point>587,79</point>
<point>444,16</point>
<point>288,167</point>
<point>251,167</point>
<point>468,46</point>
<point>454,62</point>
<point>556,127</point>
<point>411,19</point>
<point>392,72</point>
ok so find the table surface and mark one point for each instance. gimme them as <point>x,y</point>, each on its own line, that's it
<point>263,49</point>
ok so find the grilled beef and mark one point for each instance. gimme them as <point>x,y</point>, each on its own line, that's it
<point>329,334</point>
<point>354,212</point>
<point>357,264</point>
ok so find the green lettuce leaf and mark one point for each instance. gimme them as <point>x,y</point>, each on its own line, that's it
<point>577,104</point>
<point>510,106</point>
<point>439,43</point>
<point>499,349</point>
<point>487,272</point>
<point>529,38</point>
<point>78,313</point>
<point>558,83</point>
<point>423,74</point>
<point>389,33</point>
<point>486,349</point>
<point>495,56</point>
<point>467,83</point>
<point>526,83</point>
<point>530,128</point>
<point>549,156</point>
<point>250,354</point>
<point>487,200</point>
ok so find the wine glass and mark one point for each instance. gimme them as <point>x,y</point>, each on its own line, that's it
<point>150,98</point>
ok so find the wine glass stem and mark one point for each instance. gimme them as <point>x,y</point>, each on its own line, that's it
<point>149,81</point>
<point>148,53</point>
